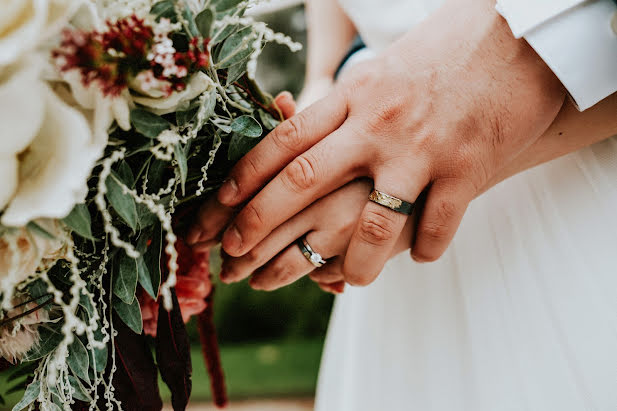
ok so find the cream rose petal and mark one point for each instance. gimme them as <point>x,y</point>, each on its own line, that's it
<point>54,171</point>
<point>21,27</point>
<point>198,83</point>
<point>21,106</point>
<point>8,179</point>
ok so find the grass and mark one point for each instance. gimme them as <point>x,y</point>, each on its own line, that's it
<point>281,369</point>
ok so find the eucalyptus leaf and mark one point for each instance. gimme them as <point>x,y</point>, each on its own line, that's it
<point>31,393</point>
<point>186,116</point>
<point>124,204</point>
<point>204,22</point>
<point>79,390</point>
<point>236,48</point>
<point>163,9</point>
<point>98,361</point>
<point>188,16</point>
<point>125,279</point>
<point>152,258</point>
<point>80,221</point>
<point>156,173</point>
<point>267,120</point>
<point>180,156</point>
<point>130,314</point>
<point>50,336</point>
<point>223,5</point>
<point>85,303</point>
<point>239,146</point>
<point>78,359</point>
<point>144,277</point>
<point>236,72</point>
<point>247,126</point>
<point>221,35</point>
<point>148,124</point>
<point>126,174</point>
<point>225,128</point>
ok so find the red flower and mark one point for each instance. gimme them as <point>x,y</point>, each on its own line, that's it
<point>192,287</point>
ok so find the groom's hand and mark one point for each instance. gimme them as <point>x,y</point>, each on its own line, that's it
<point>443,109</point>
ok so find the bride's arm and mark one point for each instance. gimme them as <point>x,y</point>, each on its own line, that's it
<point>571,131</point>
<point>330,33</point>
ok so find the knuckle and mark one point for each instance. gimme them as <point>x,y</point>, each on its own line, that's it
<point>301,173</point>
<point>376,227</point>
<point>252,218</point>
<point>434,231</point>
<point>254,257</point>
<point>446,210</point>
<point>287,135</point>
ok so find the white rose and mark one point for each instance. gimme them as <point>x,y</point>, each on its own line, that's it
<point>23,252</point>
<point>26,24</point>
<point>160,103</point>
<point>47,151</point>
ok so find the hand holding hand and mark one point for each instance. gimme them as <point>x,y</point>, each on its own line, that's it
<point>445,107</point>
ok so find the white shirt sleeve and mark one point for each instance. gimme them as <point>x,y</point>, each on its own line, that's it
<point>574,38</point>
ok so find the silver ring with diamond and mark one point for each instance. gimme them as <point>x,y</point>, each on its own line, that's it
<point>310,254</point>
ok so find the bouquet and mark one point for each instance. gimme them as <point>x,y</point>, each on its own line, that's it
<point>118,117</point>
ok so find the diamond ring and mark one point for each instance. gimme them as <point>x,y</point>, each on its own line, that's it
<point>308,252</point>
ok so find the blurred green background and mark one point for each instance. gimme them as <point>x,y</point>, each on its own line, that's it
<point>271,343</point>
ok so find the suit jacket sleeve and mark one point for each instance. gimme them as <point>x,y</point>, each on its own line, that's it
<point>576,40</point>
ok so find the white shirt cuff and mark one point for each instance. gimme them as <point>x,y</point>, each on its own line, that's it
<point>578,44</point>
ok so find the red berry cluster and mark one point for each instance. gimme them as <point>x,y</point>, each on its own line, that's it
<point>113,57</point>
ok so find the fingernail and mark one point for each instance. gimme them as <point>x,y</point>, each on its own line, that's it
<point>228,192</point>
<point>232,241</point>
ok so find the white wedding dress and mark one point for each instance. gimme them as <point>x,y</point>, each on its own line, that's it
<point>519,314</point>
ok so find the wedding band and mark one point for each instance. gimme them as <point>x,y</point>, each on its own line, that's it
<point>393,203</point>
<point>308,252</point>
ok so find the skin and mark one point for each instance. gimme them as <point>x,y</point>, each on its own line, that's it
<point>483,115</point>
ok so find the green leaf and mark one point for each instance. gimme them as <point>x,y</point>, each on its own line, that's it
<point>223,5</point>
<point>148,124</point>
<point>100,354</point>
<point>78,359</point>
<point>156,172</point>
<point>239,146</point>
<point>237,48</point>
<point>247,126</point>
<point>144,277</point>
<point>180,156</point>
<point>124,204</point>
<point>79,391</point>
<point>85,303</point>
<point>50,337</point>
<point>30,395</point>
<point>125,280</point>
<point>152,258</point>
<point>236,72</point>
<point>204,22</point>
<point>126,174</point>
<point>221,35</point>
<point>188,16</point>
<point>130,314</point>
<point>267,120</point>
<point>163,9</point>
<point>40,231</point>
<point>79,221</point>
<point>186,116</point>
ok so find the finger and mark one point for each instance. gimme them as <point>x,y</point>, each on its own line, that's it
<point>211,219</point>
<point>329,273</point>
<point>238,268</point>
<point>291,265</point>
<point>327,166</point>
<point>334,288</point>
<point>204,246</point>
<point>445,206</point>
<point>291,138</point>
<point>379,228</point>
<point>286,103</point>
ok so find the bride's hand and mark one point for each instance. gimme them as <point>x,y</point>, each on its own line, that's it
<point>328,225</point>
<point>446,107</point>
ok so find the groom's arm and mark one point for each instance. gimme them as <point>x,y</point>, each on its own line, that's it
<point>574,38</point>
